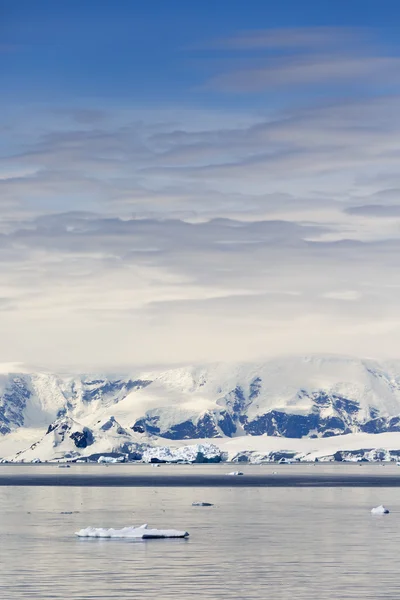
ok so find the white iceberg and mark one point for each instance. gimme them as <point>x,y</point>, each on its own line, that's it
<point>202,453</point>
<point>142,532</point>
<point>110,459</point>
<point>236,473</point>
<point>380,510</point>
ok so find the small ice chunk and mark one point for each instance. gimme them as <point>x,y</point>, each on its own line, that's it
<point>380,510</point>
<point>236,473</point>
<point>64,466</point>
<point>142,532</point>
<point>202,504</point>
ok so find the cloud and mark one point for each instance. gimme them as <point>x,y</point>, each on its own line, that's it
<point>160,236</point>
<point>375,210</point>
<point>303,57</point>
<point>329,69</point>
<point>162,282</point>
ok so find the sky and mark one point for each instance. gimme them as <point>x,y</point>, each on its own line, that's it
<point>186,182</point>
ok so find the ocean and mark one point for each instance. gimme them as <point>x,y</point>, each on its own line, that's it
<point>292,540</point>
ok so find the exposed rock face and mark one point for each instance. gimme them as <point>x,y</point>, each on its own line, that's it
<point>13,403</point>
<point>329,415</point>
<point>82,439</point>
<point>52,397</point>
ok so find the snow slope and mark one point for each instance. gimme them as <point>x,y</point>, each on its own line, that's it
<point>290,397</point>
<point>306,448</point>
<point>294,398</point>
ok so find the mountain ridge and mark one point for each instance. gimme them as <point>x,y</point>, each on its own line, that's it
<point>312,396</point>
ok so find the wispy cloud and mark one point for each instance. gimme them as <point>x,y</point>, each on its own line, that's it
<point>298,38</point>
<point>309,70</point>
<point>303,57</point>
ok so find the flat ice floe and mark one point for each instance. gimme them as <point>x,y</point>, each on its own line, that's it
<point>380,510</point>
<point>236,473</point>
<point>142,532</point>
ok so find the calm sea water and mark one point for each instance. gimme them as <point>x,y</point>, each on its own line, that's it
<point>255,542</point>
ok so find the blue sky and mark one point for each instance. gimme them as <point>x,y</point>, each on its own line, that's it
<point>198,181</point>
<point>157,51</point>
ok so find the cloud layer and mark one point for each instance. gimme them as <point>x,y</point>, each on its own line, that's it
<point>167,235</point>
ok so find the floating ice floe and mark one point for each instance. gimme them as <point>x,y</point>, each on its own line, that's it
<point>236,473</point>
<point>202,504</point>
<point>380,510</point>
<point>142,532</point>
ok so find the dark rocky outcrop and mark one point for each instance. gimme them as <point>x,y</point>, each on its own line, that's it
<point>82,439</point>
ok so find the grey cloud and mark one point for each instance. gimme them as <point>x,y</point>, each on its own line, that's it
<point>375,210</point>
<point>152,277</point>
<point>224,240</point>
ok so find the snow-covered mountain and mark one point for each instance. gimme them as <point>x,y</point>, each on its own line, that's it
<point>298,397</point>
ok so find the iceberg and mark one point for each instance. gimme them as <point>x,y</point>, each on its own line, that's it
<point>380,510</point>
<point>110,459</point>
<point>142,532</point>
<point>196,453</point>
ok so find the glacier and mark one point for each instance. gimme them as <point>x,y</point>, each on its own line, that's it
<point>195,413</point>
